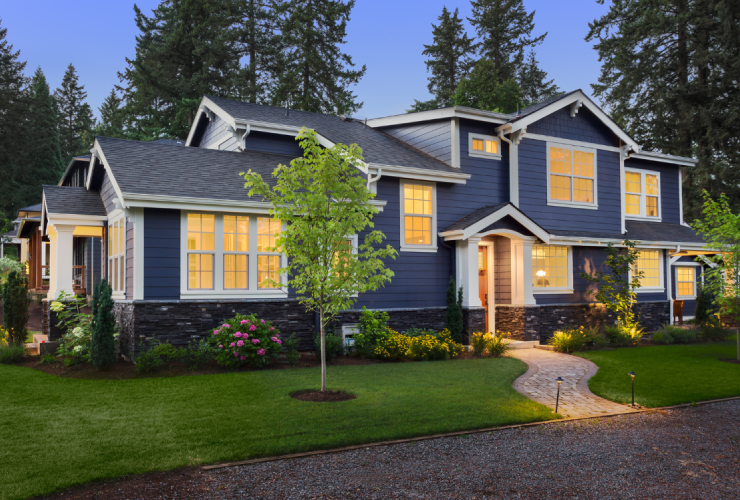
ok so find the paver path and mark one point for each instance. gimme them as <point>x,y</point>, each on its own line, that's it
<point>576,399</point>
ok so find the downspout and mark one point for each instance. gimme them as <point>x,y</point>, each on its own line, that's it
<point>371,179</point>
<point>513,158</point>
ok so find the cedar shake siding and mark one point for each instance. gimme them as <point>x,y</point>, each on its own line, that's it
<point>161,254</point>
<point>434,138</point>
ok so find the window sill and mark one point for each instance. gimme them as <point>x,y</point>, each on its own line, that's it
<point>649,290</point>
<point>552,291</point>
<point>484,156</point>
<point>681,297</point>
<point>572,204</point>
<point>241,294</point>
<point>118,296</point>
<point>645,219</point>
<point>418,249</point>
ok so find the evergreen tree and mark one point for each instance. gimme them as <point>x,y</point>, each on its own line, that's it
<point>423,106</point>
<point>670,78</point>
<point>13,129</point>
<point>102,340</point>
<point>483,90</point>
<point>111,117</point>
<point>449,57</point>
<point>87,124</point>
<point>15,306</point>
<point>313,73</point>
<point>70,98</point>
<point>185,50</point>
<point>533,82</point>
<point>454,321</point>
<point>504,28</point>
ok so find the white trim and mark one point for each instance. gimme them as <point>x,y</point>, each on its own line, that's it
<point>643,195</point>
<point>138,253</point>
<point>466,260</point>
<point>675,271</point>
<point>682,161</point>
<point>684,264</point>
<point>599,242</point>
<point>565,203</point>
<point>121,293</point>
<point>661,275</point>
<point>99,150</point>
<point>474,229</point>
<point>680,197</point>
<point>491,308</point>
<point>488,156</point>
<point>509,233</point>
<point>522,291</point>
<point>556,290</point>
<point>439,114</point>
<point>421,174</point>
<point>622,180</point>
<point>405,247</point>
<point>455,142</point>
<point>669,292</point>
<point>522,122</point>
<point>574,143</point>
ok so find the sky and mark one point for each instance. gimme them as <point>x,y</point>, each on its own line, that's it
<point>386,35</point>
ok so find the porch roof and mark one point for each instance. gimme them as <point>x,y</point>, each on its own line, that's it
<point>69,200</point>
<point>642,231</point>
<point>484,217</point>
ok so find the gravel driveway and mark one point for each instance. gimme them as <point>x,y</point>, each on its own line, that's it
<point>689,453</point>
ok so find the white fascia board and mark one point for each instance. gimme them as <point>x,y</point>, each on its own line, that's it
<point>441,114</point>
<point>570,142</point>
<point>590,241</point>
<point>500,214</point>
<point>663,158</point>
<point>561,103</point>
<point>276,128</point>
<point>421,174</point>
<point>77,220</point>
<point>206,102</point>
<point>116,187</point>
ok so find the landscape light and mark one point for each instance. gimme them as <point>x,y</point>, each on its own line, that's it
<point>559,380</point>
<point>632,374</point>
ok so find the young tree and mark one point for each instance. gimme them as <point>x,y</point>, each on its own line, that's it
<point>73,114</point>
<point>454,320</point>
<point>504,28</point>
<point>533,82</point>
<point>720,228</point>
<point>449,57</point>
<point>483,90</point>
<point>313,73</point>
<point>323,199</point>
<point>102,340</point>
<point>617,289</point>
<point>15,306</point>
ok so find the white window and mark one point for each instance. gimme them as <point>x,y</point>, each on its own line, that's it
<point>686,282</point>
<point>418,217</point>
<point>552,269</point>
<point>117,255</point>
<point>641,194</point>
<point>571,177</point>
<point>484,146</point>
<point>651,265</point>
<point>230,255</point>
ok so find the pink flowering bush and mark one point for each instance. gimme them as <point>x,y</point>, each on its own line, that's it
<point>246,340</point>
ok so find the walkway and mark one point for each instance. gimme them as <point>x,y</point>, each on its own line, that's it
<point>576,399</point>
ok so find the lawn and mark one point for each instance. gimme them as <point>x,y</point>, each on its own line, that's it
<point>666,375</point>
<point>57,432</point>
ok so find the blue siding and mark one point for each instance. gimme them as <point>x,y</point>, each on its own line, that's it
<point>510,223</point>
<point>689,306</point>
<point>584,127</point>
<point>161,254</point>
<point>669,186</point>
<point>533,193</point>
<point>108,193</point>
<point>434,138</point>
<point>273,143</point>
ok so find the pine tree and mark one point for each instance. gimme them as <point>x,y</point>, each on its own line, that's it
<point>504,28</point>
<point>102,341</point>
<point>86,124</point>
<point>533,84</point>
<point>15,306</point>
<point>454,321</point>
<point>482,90</point>
<point>670,78</point>
<point>313,73</point>
<point>449,57</point>
<point>70,99</point>
<point>423,106</point>
<point>185,50</point>
<point>111,117</point>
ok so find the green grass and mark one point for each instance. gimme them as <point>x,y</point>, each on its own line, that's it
<point>666,375</point>
<point>57,432</point>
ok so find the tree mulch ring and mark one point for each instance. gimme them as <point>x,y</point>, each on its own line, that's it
<point>322,397</point>
<point>733,361</point>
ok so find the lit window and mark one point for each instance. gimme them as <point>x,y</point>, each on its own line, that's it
<point>685,281</point>
<point>484,146</point>
<point>268,266</point>
<point>236,244</point>
<point>201,250</point>
<point>572,175</point>
<point>117,254</point>
<point>550,267</point>
<point>418,208</point>
<point>641,194</point>
<point>648,261</point>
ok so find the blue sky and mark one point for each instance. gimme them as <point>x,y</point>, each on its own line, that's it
<point>386,35</point>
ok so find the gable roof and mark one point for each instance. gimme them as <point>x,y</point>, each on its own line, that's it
<point>69,200</point>
<point>31,208</point>
<point>378,147</point>
<point>482,218</point>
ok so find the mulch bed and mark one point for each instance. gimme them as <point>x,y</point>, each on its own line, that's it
<point>733,361</point>
<point>322,397</point>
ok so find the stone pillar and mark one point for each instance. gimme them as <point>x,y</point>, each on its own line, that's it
<point>467,270</point>
<point>61,278</point>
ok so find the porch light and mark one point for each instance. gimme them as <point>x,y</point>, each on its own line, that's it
<point>632,375</point>
<point>559,380</point>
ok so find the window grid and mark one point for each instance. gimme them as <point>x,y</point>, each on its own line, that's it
<point>642,194</point>
<point>268,266</point>
<point>648,261</point>
<point>201,251</point>
<point>116,254</point>
<point>549,266</point>
<point>571,175</point>
<point>685,281</point>
<point>418,213</point>
<point>484,146</point>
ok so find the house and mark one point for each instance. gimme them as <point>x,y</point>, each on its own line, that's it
<point>514,206</point>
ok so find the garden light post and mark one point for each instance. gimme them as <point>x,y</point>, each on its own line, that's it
<point>559,380</point>
<point>632,375</point>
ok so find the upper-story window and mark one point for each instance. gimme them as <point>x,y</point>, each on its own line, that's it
<point>571,178</point>
<point>418,216</point>
<point>641,194</point>
<point>484,146</point>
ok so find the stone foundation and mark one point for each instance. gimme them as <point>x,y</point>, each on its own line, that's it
<point>49,322</point>
<point>474,320</point>
<point>539,322</point>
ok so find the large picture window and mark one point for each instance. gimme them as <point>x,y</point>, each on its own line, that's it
<point>418,216</point>
<point>650,263</point>
<point>641,194</point>
<point>686,282</point>
<point>117,255</point>
<point>551,268</point>
<point>571,176</point>
<point>201,250</point>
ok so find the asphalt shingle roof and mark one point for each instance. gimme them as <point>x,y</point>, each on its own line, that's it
<point>377,146</point>
<point>73,201</point>
<point>32,208</point>
<point>643,231</point>
<point>474,217</point>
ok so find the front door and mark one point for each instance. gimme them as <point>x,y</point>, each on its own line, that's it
<point>483,279</point>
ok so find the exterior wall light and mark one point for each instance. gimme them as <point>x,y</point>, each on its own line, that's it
<point>559,380</point>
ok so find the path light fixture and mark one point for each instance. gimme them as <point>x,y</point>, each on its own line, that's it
<point>632,374</point>
<point>559,380</point>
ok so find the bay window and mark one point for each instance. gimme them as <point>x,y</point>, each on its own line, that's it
<point>418,217</point>
<point>641,194</point>
<point>571,178</point>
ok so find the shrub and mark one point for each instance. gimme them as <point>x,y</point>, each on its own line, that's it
<point>392,347</point>
<point>568,340</point>
<point>680,335</point>
<point>291,349</point>
<point>374,329</point>
<point>478,342</point>
<point>148,362</point>
<point>103,328</point>
<point>75,343</point>
<point>15,306</point>
<point>48,359</point>
<point>255,346</point>
<point>8,265</point>
<point>332,345</point>
<point>197,354</point>
<point>621,336</point>
<point>498,344</point>
<point>713,330</point>
<point>417,332</point>
<point>429,347</point>
<point>11,353</point>
<point>594,339</point>
<point>705,309</point>
<point>454,320</point>
<point>662,337</point>
<point>74,346</point>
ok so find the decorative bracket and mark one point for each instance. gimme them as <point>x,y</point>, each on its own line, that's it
<point>209,114</point>
<point>240,138</point>
<point>519,135</point>
<point>574,108</point>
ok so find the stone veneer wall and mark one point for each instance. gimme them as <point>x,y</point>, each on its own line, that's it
<point>539,322</point>
<point>49,322</point>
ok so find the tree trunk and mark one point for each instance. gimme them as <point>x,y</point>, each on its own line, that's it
<point>323,350</point>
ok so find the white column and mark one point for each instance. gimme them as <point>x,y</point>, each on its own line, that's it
<point>467,270</point>
<point>668,285</point>
<point>60,267</point>
<point>521,273</point>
